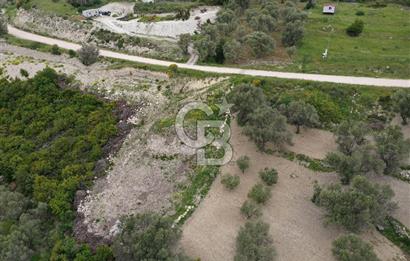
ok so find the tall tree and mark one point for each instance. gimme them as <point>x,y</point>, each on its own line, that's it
<point>267,125</point>
<point>246,98</point>
<point>393,148</point>
<point>301,114</point>
<point>350,135</point>
<point>357,206</point>
<point>401,104</point>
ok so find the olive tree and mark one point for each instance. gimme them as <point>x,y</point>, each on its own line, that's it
<point>250,209</point>
<point>230,182</point>
<point>392,148</point>
<point>292,34</point>
<point>401,104</point>
<point>363,161</point>
<point>263,22</point>
<point>183,42</point>
<point>254,243</point>
<point>269,176</point>
<point>260,43</point>
<point>246,98</point>
<point>260,193</point>
<point>358,206</point>
<point>300,114</point>
<point>231,50</point>
<point>267,125</point>
<point>351,248</point>
<point>88,54</point>
<point>350,135</point>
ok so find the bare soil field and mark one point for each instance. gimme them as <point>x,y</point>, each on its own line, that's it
<point>315,143</point>
<point>296,223</point>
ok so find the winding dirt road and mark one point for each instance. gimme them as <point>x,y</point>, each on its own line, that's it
<point>404,83</point>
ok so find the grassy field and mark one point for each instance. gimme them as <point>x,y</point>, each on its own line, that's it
<point>382,50</point>
<point>60,7</point>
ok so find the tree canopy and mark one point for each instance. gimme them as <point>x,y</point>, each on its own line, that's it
<point>357,206</point>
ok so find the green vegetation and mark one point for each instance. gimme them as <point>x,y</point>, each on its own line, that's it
<point>230,182</point>
<point>164,7</point>
<point>50,139</point>
<point>245,30</point>
<point>254,243</point>
<point>301,114</point>
<point>29,44</point>
<point>88,54</point>
<point>243,163</point>
<point>61,7</point>
<point>401,104</point>
<point>381,50</point>
<point>351,248</point>
<point>147,237</point>
<point>3,26</point>
<point>260,193</point>
<point>397,233</point>
<point>269,176</point>
<point>250,209</point>
<point>356,28</point>
<point>356,207</point>
<point>392,148</point>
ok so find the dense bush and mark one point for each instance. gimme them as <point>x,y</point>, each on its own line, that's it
<point>260,193</point>
<point>269,176</point>
<point>254,243</point>
<point>250,209</point>
<point>358,206</point>
<point>230,182</point>
<point>146,237</point>
<point>356,28</point>
<point>351,248</point>
<point>50,138</point>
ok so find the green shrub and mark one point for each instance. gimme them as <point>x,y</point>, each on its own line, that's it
<point>250,209</point>
<point>24,73</point>
<point>260,193</point>
<point>243,163</point>
<point>55,50</point>
<point>356,28</point>
<point>254,243</point>
<point>269,176</point>
<point>352,248</point>
<point>72,53</point>
<point>230,182</point>
<point>360,13</point>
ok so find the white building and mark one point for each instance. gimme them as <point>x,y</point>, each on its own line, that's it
<point>329,9</point>
<point>91,13</point>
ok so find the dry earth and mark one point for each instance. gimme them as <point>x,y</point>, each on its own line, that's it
<point>296,223</point>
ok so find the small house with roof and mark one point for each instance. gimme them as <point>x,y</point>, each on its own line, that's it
<point>329,9</point>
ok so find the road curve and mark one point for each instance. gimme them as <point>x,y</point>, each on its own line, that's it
<point>404,83</point>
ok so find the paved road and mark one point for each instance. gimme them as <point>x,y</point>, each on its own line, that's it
<point>223,70</point>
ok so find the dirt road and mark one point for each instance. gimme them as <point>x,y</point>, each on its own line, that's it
<point>404,83</point>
